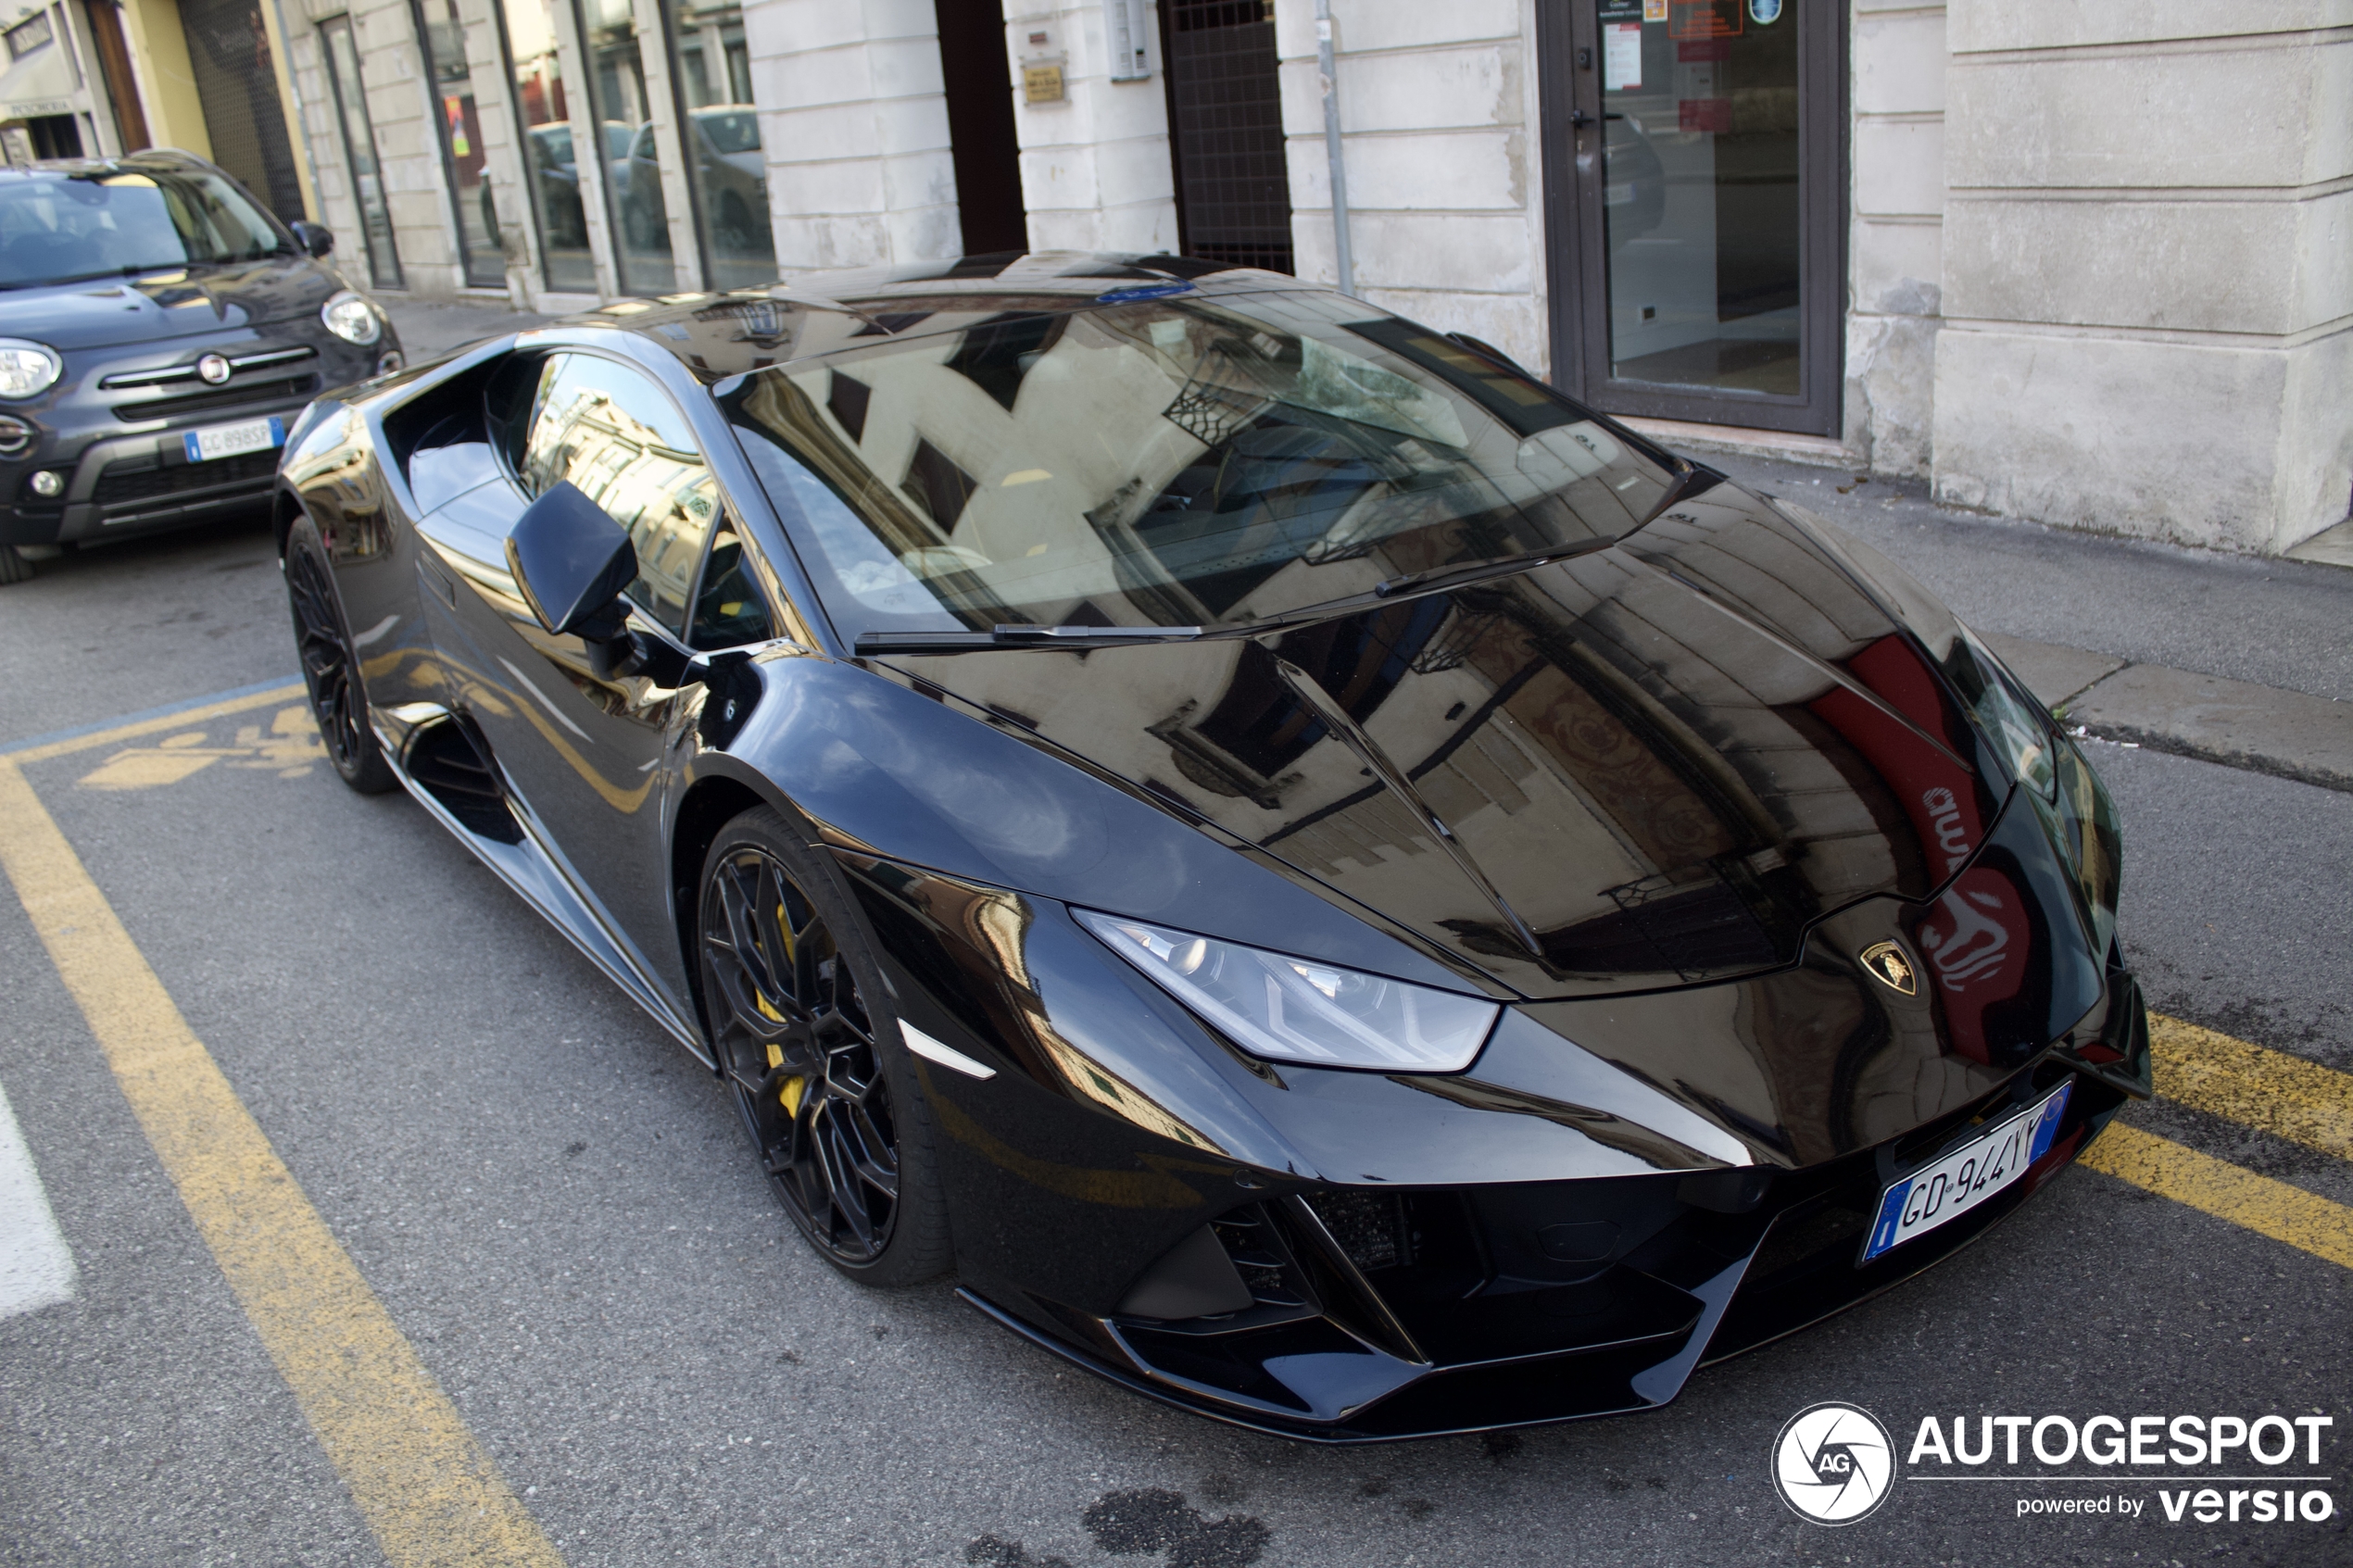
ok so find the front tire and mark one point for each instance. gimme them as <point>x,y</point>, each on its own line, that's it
<point>330,665</point>
<point>810,1046</point>
<point>14,568</point>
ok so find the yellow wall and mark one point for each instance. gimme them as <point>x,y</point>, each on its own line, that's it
<point>166,83</point>
<point>298,134</point>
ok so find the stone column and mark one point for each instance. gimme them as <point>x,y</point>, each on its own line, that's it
<point>2148,267</point>
<point>1895,230</point>
<point>854,123</point>
<point>1095,169</point>
<point>1437,118</point>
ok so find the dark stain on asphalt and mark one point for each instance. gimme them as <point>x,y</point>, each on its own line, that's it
<point>788,1358</point>
<point>1500,1446</point>
<point>1155,1519</point>
<point>996,1551</point>
<point>1417,1507</point>
<point>1377,1486</point>
<point>575,1146</point>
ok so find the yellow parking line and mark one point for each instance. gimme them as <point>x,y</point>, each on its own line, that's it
<point>2302,1219</point>
<point>426,1487</point>
<point>2267,1090</point>
<point>179,720</point>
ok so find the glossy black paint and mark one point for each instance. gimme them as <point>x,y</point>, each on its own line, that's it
<point>570,559</point>
<point>1709,768</point>
<point>119,446</point>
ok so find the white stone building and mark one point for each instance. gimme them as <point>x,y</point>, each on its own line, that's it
<point>2087,261</point>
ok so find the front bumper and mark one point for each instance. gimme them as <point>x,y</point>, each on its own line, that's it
<point>128,474</point>
<point>1386,1314</point>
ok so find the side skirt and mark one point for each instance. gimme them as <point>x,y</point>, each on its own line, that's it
<point>527,868</point>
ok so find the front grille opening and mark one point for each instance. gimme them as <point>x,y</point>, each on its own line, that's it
<point>1371,1227</point>
<point>1260,1258</point>
<point>127,484</point>
<point>277,391</point>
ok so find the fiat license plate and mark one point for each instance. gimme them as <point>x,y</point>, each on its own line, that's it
<point>231,441</point>
<point>1965,1177</point>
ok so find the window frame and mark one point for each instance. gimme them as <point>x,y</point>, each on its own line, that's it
<point>389,263</point>
<point>729,517</point>
<point>430,67</point>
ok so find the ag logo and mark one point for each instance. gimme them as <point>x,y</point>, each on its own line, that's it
<point>1833,1464</point>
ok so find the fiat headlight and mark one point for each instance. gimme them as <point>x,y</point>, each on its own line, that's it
<point>1301,1009</point>
<point>351,317</point>
<point>27,369</point>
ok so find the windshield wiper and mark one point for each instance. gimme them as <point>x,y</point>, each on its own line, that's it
<point>1022,636</point>
<point>1691,479</point>
<point>1439,577</point>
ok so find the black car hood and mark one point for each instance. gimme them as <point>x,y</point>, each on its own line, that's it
<point>104,313</point>
<point>1648,768</point>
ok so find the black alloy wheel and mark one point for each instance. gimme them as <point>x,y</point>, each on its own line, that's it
<point>824,1089</point>
<point>330,667</point>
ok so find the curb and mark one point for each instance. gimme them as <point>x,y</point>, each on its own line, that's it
<point>2260,729</point>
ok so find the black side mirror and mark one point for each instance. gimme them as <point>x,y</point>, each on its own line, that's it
<point>572,560</point>
<point>313,237</point>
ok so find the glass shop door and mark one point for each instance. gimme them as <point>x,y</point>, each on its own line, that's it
<point>1695,183</point>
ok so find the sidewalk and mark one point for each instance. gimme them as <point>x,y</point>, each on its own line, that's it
<point>2234,660</point>
<point>429,329</point>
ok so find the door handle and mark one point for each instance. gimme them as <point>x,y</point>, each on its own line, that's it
<point>1579,119</point>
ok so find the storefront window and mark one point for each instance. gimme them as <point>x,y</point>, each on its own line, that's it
<point>360,152</point>
<point>551,162</point>
<point>1702,195</point>
<point>443,37</point>
<point>625,136</point>
<point>720,130</point>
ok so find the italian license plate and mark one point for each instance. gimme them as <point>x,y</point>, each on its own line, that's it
<point>1967,1177</point>
<point>231,441</point>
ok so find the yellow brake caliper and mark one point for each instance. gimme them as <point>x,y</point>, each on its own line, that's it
<point>789,1095</point>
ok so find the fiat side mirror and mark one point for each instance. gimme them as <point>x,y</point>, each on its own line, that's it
<point>572,560</point>
<point>315,238</point>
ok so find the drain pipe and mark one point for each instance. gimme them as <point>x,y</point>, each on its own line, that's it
<point>1331,147</point>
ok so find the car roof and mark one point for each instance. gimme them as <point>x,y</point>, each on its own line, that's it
<point>88,168</point>
<point>718,335</point>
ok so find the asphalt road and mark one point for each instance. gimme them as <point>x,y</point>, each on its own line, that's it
<point>557,1209</point>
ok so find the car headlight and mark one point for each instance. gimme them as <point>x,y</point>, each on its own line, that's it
<point>2010,721</point>
<point>27,369</point>
<point>351,317</point>
<point>1299,1009</point>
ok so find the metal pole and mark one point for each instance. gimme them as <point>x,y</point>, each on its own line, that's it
<point>1331,147</point>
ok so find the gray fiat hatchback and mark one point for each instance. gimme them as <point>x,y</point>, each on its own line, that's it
<point>159,331</point>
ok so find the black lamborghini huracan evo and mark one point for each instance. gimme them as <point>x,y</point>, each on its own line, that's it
<point>1331,884</point>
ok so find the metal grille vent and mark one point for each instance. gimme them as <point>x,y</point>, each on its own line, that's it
<point>121,485</point>
<point>1225,104</point>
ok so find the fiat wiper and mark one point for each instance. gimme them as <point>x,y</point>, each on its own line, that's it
<point>1022,636</point>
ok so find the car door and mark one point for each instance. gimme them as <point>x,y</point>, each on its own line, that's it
<point>587,755</point>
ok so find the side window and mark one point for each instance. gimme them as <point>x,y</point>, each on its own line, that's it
<point>616,435</point>
<point>730,611</point>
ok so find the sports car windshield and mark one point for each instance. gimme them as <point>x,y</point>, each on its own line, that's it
<point>62,228</point>
<point>1178,461</point>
